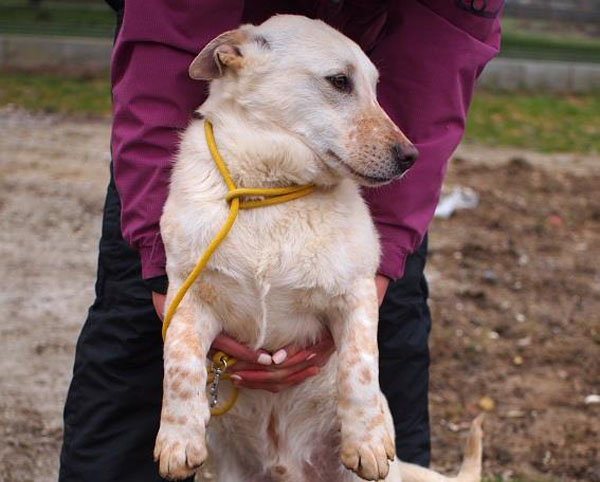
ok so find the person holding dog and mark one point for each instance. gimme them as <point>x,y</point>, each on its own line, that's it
<point>429,53</point>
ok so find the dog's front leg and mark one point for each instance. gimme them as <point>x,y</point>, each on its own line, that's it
<point>366,444</point>
<point>181,443</point>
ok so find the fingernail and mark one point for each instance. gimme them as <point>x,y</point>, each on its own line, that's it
<point>236,378</point>
<point>279,357</point>
<point>264,359</point>
<point>311,356</point>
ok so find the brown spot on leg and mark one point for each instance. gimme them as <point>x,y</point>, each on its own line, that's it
<point>185,394</point>
<point>175,385</point>
<point>172,419</point>
<point>176,371</point>
<point>376,421</point>
<point>177,355</point>
<point>365,376</point>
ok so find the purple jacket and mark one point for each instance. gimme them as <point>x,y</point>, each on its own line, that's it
<point>428,52</point>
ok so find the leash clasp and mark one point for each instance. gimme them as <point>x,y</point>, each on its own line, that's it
<point>219,366</point>
<point>217,373</point>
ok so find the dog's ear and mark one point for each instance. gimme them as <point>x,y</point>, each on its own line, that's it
<point>219,54</point>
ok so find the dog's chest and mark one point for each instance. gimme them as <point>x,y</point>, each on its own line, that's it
<point>319,243</point>
<point>279,267</point>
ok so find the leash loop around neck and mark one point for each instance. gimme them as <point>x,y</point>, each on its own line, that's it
<point>234,197</point>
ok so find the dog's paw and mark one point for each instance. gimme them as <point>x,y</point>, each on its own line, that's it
<point>180,451</point>
<point>369,458</point>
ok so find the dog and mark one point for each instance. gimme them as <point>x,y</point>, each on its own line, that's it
<point>292,102</point>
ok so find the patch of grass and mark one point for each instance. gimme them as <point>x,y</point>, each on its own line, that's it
<point>53,93</point>
<point>543,122</point>
<point>524,45</point>
<point>54,18</point>
<point>551,27</point>
<point>549,40</point>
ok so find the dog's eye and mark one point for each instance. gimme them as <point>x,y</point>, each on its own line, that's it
<point>341,82</point>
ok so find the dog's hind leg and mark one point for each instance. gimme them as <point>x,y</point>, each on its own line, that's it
<point>181,445</point>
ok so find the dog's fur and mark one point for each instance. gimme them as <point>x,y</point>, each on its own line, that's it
<point>286,271</point>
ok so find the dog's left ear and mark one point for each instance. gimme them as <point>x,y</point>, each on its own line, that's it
<point>220,54</point>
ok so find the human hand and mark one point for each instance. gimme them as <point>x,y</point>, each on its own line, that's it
<point>257,368</point>
<point>158,300</point>
<point>382,283</point>
<point>286,367</point>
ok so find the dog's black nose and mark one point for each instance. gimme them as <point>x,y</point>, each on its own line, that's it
<point>404,155</point>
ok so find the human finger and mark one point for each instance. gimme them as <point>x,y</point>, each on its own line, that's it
<point>381,282</point>
<point>245,366</point>
<point>272,376</point>
<point>318,353</point>
<point>158,300</point>
<point>286,353</point>
<point>240,351</point>
<point>301,375</point>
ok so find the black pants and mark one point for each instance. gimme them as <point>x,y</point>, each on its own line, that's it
<point>112,412</point>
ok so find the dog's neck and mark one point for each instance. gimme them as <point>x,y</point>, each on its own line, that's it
<point>264,156</point>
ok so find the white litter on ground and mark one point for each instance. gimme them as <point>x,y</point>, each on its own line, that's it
<point>592,399</point>
<point>459,198</point>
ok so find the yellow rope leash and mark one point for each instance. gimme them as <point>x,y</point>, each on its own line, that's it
<point>271,196</point>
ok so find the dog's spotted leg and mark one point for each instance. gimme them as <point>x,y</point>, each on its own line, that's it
<point>181,445</point>
<point>366,443</point>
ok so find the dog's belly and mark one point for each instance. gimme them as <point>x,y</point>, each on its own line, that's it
<point>290,436</point>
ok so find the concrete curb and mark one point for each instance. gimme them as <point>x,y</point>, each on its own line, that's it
<point>92,56</point>
<point>541,75</point>
<point>55,54</point>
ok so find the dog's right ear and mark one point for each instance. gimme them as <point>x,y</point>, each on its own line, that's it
<point>219,54</point>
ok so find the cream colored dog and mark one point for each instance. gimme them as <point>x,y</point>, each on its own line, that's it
<point>292,101</point>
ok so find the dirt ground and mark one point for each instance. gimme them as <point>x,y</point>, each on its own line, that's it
<point>515,296</point>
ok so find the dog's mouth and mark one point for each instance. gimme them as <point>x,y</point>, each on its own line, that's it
<point>366,177</point>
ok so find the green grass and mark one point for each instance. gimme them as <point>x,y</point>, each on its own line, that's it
<point>543,46</point>
<point>550,27</point>
<point>51,93</point>
<point>53,18</point>
<point>543,122</point>
<point>549,40</point>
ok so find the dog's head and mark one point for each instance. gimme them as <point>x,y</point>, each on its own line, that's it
<point>304,77</point>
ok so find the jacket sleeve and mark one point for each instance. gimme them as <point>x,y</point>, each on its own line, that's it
<point>153,98</point>
<point>429,59</point>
